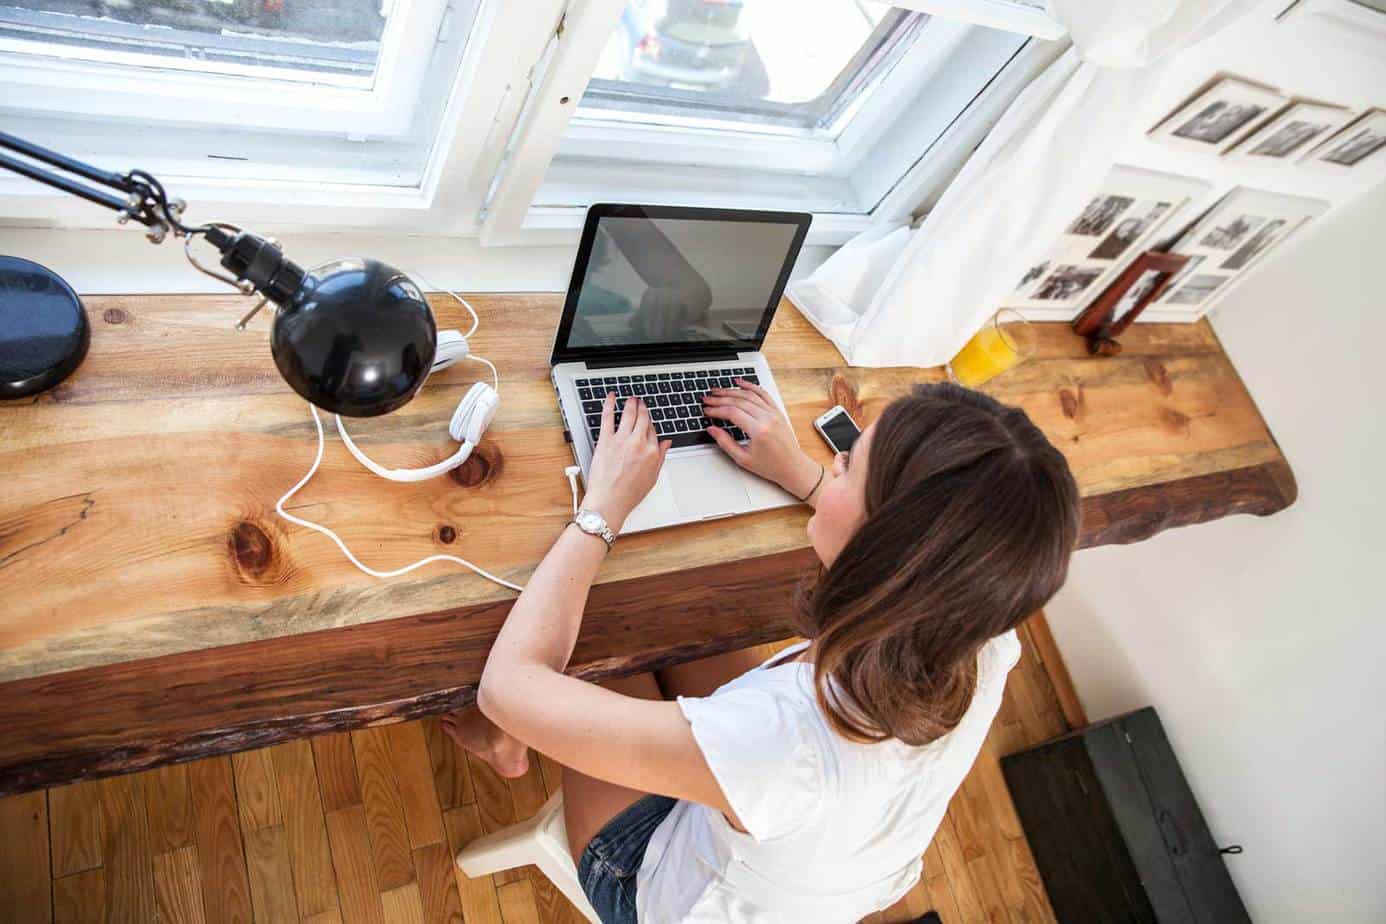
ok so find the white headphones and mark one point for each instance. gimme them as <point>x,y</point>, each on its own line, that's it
<point>469,422</point>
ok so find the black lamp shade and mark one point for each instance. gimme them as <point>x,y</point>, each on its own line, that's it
<point>357,338</point>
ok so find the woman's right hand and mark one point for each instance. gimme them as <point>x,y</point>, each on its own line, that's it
<point>626,462</point>
<point>772,452</point>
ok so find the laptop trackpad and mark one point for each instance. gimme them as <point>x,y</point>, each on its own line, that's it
<point>706,485</point>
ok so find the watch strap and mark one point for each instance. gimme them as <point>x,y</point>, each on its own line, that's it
<point>604,533</point>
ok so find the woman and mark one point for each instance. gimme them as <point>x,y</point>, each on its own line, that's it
<point>805,789</point>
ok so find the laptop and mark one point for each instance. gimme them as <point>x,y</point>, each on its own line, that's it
<point>666,303</point>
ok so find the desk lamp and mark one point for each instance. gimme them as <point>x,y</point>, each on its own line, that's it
<point>353,336</point>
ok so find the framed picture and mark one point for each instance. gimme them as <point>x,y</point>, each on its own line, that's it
<point>1131,209</point>
<point>1226,242</point>
<point>1220,115</point>
<point>1137,286</point>
<point>1288,136</point>
<point>1360,145</point>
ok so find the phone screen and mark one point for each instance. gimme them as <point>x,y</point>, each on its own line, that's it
<point>840,431</point>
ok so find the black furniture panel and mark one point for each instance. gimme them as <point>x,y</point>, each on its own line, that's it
<point>1116,832</point>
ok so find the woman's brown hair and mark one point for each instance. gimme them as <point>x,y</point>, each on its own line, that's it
<point>971,516</point>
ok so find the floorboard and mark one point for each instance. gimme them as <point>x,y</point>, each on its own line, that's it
<point>361,828</point>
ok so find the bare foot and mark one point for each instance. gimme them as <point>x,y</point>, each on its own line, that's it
<point>474,732</point>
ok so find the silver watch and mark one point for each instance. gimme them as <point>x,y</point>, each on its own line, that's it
<point>594,524</point>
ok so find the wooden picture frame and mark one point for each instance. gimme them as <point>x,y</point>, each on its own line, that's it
<point>1299,128</point>
<point>1136,287</point>
<point>1357,147</point>
<point>1219,115</point>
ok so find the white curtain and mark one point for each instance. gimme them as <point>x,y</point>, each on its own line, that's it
<point>900,297</point>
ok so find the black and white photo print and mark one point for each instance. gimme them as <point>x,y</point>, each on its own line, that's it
<point>1225,112</point>
<point>1099,215</point>
<point>1215,122</point>
<point>1129,230</point>
<point>1232,232</point>
<point>1257,243</point>
<point>1066,282</point>
<point>1196,290</point>
<point>1293,132</point>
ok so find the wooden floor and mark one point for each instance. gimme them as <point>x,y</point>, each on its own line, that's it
<point>363,827</point>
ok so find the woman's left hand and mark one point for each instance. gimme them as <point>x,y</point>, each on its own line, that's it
<point>626,463</point>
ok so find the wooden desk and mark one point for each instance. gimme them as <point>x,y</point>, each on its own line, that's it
<point>153,608</point>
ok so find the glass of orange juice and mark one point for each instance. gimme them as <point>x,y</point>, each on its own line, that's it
<point>1001,344</point>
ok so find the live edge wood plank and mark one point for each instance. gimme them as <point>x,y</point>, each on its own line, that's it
<point>136,520</point>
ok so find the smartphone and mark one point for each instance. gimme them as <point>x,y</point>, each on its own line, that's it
<point>838,429</point>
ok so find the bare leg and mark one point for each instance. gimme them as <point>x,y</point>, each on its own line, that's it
<point>701,677</point>
<point>473,732</point>
<point>589,803</point>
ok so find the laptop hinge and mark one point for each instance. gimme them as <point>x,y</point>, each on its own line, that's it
<point>726,356</point>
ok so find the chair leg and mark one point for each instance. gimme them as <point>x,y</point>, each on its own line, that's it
<point>556,862</point>
<point>507,848</point>
<point>541,841</point>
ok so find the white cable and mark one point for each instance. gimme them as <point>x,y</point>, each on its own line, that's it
<point>319,528</point>
<point>476,321</point>
<point>571,472</point>
<point>495,377</point>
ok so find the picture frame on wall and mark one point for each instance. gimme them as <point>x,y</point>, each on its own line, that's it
<point>1143,281</point>
<point>1226,243</point>
<point>1298,129</point>
<point>1131,209</point>
<point>1220,115</point>
<point>1358,146</point>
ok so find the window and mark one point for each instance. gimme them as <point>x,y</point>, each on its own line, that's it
<point>508,119</point>
<point>310,41</point>
<point>753,103</point>
<point>345,91</point>
<point>757,65</point>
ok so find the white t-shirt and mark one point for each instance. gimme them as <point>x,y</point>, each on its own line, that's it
<point>837,828</point>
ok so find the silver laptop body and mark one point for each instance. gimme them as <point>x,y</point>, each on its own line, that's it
<point>665,303</point>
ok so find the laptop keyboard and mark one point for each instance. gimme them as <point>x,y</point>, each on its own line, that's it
<point>675,400</point>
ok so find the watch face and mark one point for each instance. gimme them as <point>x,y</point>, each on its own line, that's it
<point>589,520</point>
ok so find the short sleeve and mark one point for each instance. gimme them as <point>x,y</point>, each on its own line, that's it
<point>765,753</point>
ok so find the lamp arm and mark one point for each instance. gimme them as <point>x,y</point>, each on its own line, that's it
<point>255,263</point>
<point>144,199</point>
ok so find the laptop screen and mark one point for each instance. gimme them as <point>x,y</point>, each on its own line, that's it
<point>670,277</point>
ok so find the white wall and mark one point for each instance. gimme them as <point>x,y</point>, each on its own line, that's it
<point>1257,639</point>
<point>1261,641</point>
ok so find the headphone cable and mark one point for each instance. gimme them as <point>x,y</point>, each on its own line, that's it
<point>319,528</point>
<point>570,472</point>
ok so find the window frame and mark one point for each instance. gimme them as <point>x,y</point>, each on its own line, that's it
<point>504,122</point>
<point>471,135</point>
<point>702,165</point>
<point>824,113</point>
<point>100,82</point>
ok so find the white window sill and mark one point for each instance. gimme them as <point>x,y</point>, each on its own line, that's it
<point>122,262</point>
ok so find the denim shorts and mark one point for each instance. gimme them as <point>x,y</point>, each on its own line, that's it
<point>612,859</point>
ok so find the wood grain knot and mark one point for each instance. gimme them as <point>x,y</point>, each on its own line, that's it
<point>844,392</point>
<point>115,316</point>
<point>483,465</point>
<point>1158,375</point>
<point>1071,403</point>
<point>1174,421</point>
<point>254,554</point>
<point>446,535</point>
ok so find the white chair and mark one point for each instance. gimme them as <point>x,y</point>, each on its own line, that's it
<point>542,841</point>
